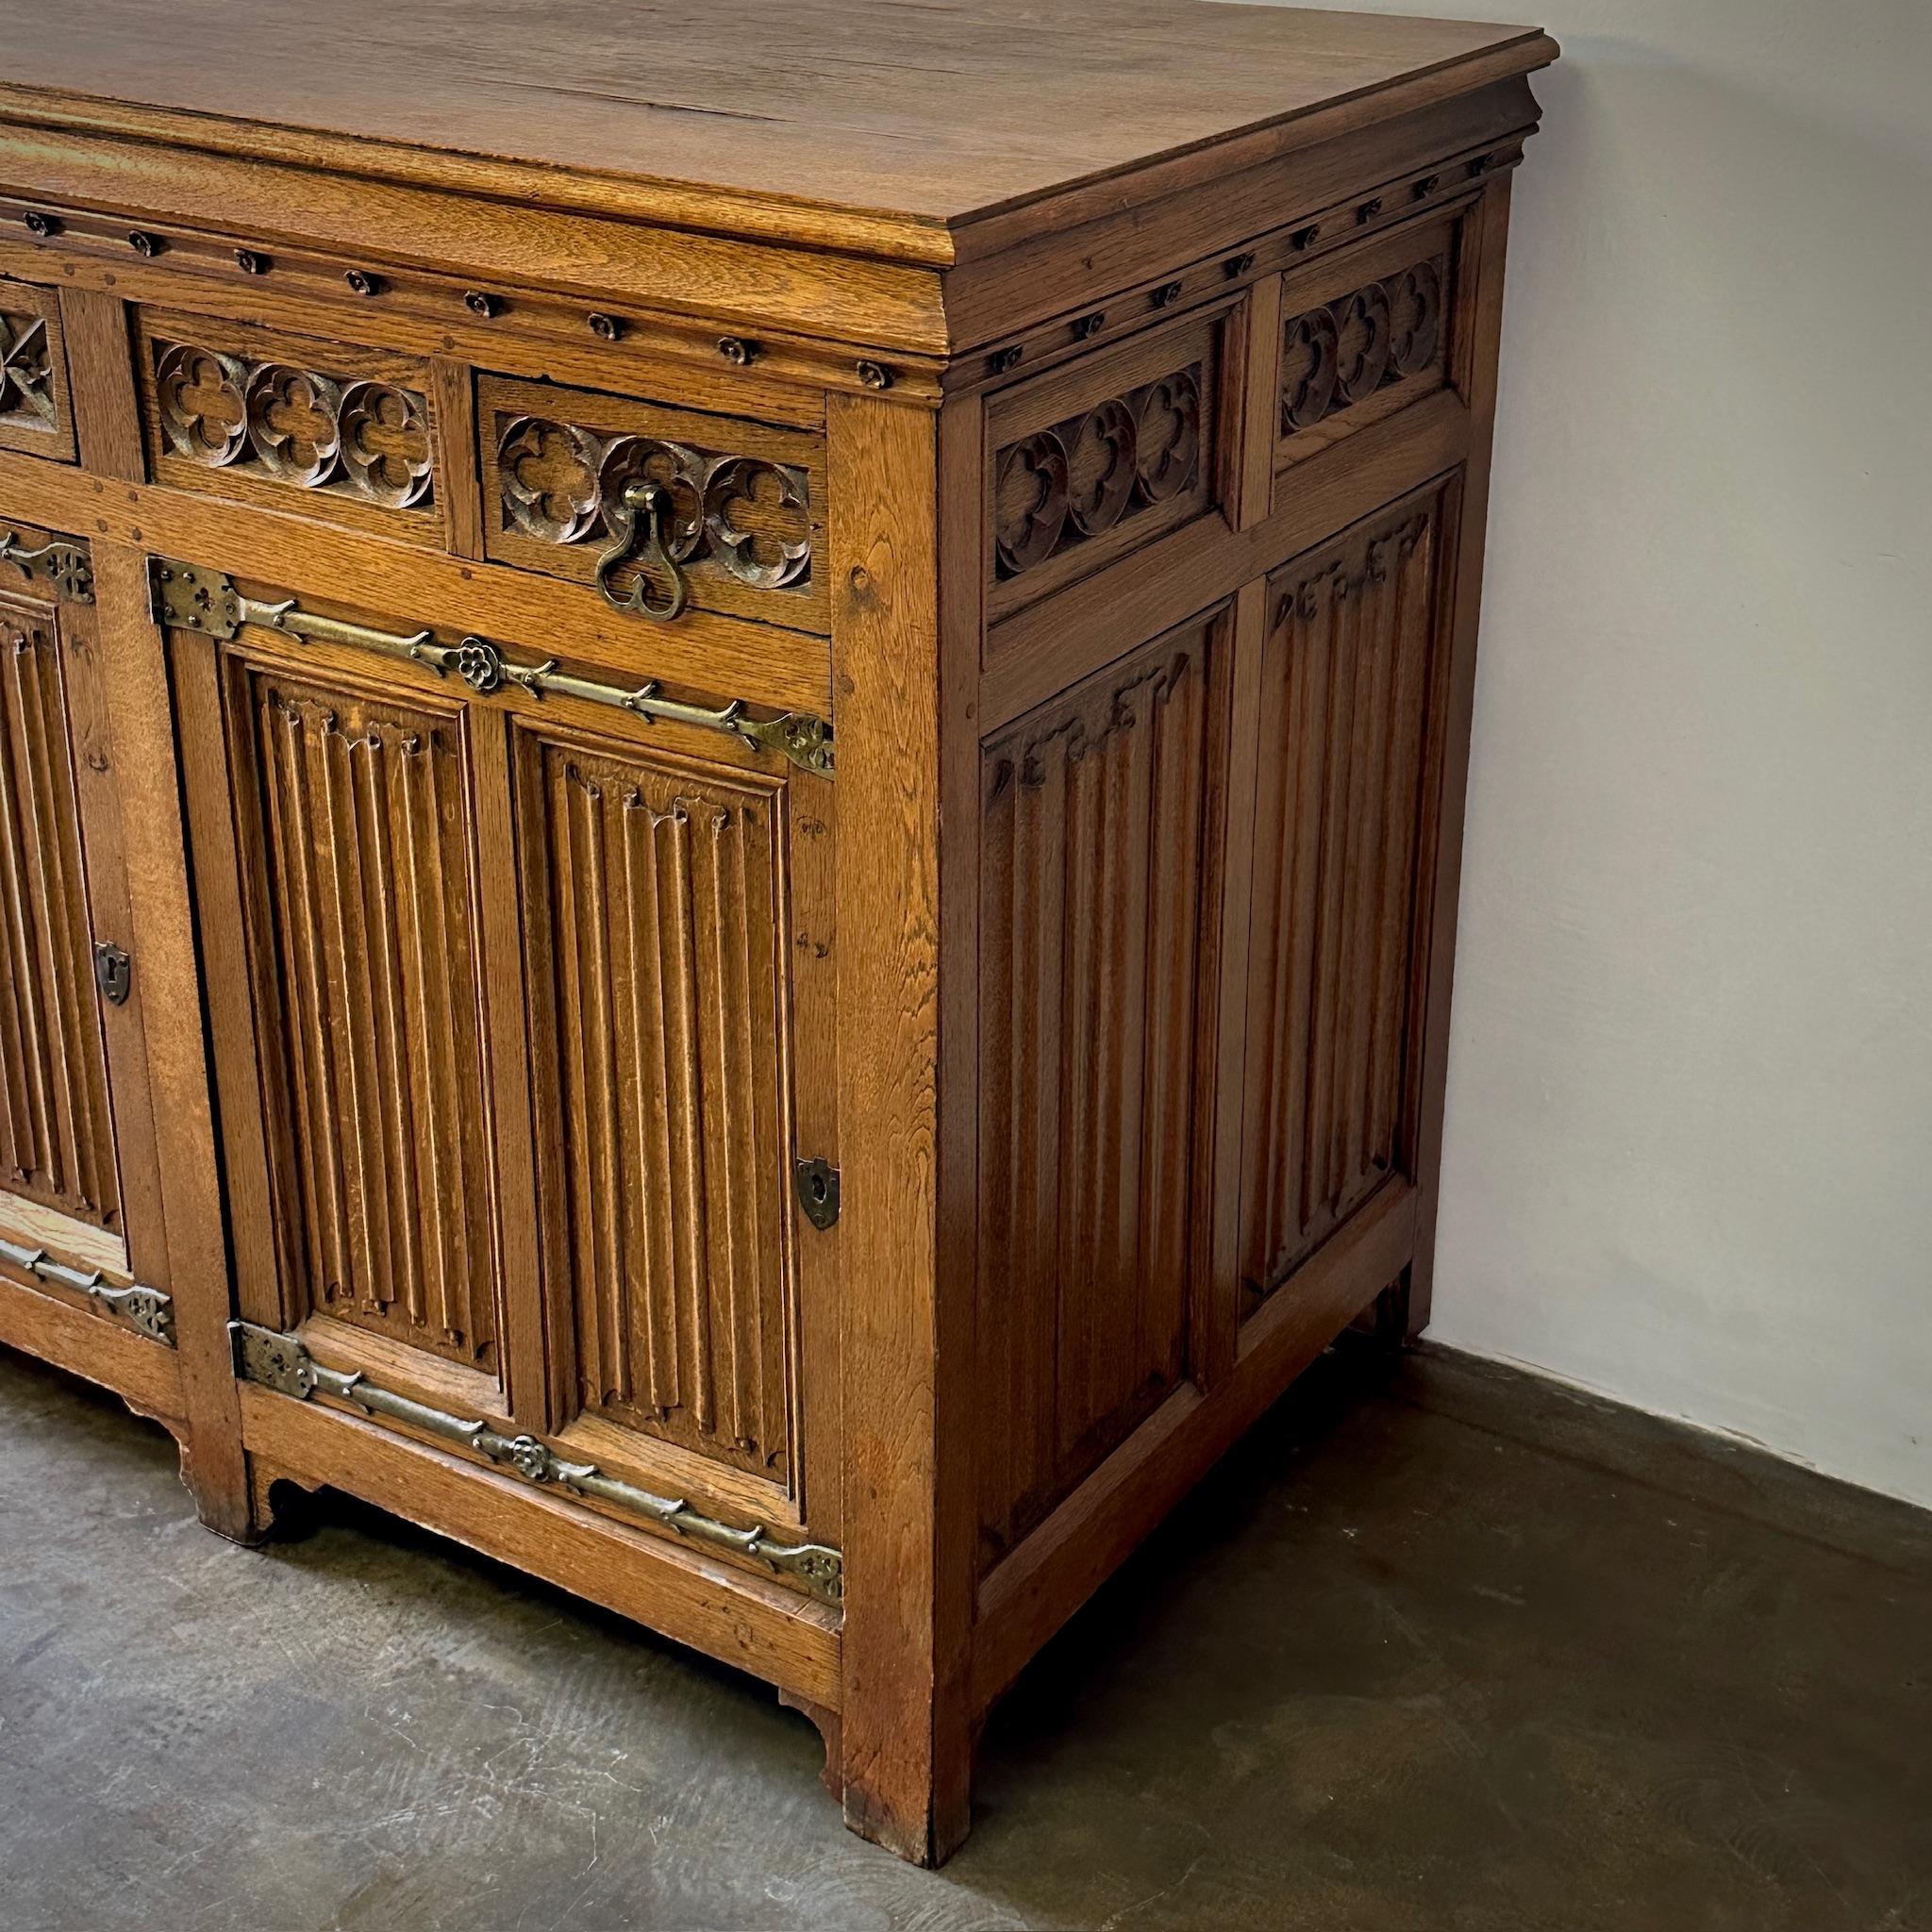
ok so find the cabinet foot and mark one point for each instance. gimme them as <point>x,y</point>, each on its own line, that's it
<point>831,1774</point>
<point>922,1818</point>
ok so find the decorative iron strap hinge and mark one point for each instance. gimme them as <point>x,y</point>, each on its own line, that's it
<point>67,566</point>
<point>146,1309</point>
<point>280,1362</point>
<point>185,596</point>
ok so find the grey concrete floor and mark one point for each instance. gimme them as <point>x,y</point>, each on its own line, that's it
<point>1442,1648</point>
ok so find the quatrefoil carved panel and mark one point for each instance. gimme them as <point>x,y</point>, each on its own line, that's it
<point>748,516</point>
<point>364,438</point>
<point>204,404</point>
<point>1342,353</point>
<point>385,443</point>
<point>1080,478</point>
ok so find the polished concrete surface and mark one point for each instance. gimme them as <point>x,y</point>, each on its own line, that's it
<point>1445,1648</point>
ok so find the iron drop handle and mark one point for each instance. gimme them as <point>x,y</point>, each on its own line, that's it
<point>652,502</point>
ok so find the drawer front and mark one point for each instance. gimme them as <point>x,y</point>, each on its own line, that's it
<point>1097,458</point>
<point>35,413</point>
<point>540,994</point>
<point>329,428</point>
<point>1364,334</point>
<point>742,523</point>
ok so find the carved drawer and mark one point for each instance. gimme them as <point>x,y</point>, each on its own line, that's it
<point>292,423</point>
<point>35,413</point>
<point>1364,334</point>
<point>663,509</point>
<point>1094,459</point>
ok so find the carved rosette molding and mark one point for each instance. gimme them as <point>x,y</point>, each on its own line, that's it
<point>1079,478</point>
<point>66,568</point>
<point>1345,351</point>
<point>187,597</point>
<point>281,1362</point>
<point>145,1309</point>
<point>314,431</point>
<point>26,370</point>
<point>564,484</point>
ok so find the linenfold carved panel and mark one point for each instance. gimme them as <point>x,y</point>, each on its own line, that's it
<point>354,833</point>
<point>654,926</point>
<point>56,1137</point>
<point>1344,692</point>
<point>1093,812</point>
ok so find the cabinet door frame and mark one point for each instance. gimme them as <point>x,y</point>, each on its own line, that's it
<point>531,1350</point>
<point>138,1252</point>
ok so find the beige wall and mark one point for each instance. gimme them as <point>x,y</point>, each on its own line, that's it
<point>1690,1132</point>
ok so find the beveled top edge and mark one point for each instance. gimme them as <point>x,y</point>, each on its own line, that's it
<point>907,171</point>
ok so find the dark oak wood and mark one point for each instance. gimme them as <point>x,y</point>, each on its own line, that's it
<point>776,710</point>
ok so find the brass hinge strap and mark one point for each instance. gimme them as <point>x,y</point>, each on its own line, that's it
<point>281,1362</point>
<point>67,566</point>
<point>189,597</point>
<point>146,1309</point>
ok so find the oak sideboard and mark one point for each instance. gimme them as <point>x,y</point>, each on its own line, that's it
<point>731,769</point>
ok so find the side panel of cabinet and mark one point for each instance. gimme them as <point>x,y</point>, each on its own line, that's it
<point>1333,962</point>
<point>1094,822</point>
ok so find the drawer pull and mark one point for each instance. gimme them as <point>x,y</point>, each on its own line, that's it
<point>654,501</point>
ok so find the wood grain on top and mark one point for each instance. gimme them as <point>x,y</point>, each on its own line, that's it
<point>931,111</point>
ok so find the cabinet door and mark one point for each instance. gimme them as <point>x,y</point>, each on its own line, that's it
<point>76,1181</point>
<point>520,995</point>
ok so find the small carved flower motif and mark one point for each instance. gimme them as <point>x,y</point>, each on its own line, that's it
<point>756,517</point>
<point>386,444</point>
<point>1169,435</point>
<point>548,476</point>
<point>203,410</point>
<point>291,423</point>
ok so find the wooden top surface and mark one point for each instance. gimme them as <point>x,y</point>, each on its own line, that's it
<point>933,111</point>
